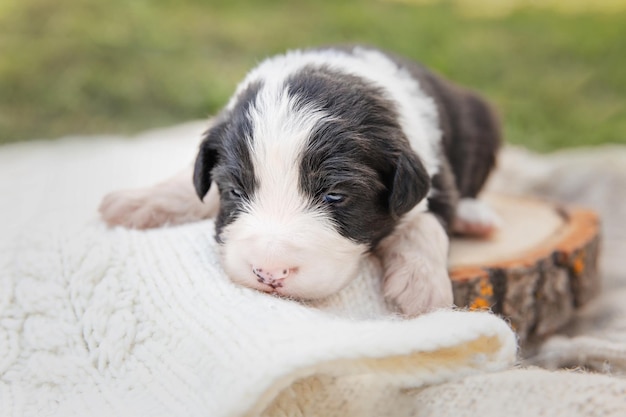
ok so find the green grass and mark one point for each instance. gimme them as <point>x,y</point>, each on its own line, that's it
<point>83,66</point>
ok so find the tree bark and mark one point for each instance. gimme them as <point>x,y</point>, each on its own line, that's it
<point>537,288</point>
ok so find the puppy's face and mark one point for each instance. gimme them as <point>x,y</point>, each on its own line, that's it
<point>312,173</point>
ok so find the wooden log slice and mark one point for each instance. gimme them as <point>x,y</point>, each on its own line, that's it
<point>535,271</point>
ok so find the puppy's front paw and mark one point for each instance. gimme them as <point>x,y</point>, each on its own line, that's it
<point>414,259</point>
<point>135,209</point>
<point>417,284</point>
<point>170,202</point>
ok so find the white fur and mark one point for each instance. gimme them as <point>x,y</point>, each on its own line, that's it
<point>173,201</point>
<point>475,218</point>
<point>278,230</point>
<point>417,110</point>
<point>414,262</point>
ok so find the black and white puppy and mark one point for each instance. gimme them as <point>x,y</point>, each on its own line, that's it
<point>325,156</point>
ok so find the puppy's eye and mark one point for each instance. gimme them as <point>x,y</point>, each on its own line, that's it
<point>333,198</point>
<point>235,193</point>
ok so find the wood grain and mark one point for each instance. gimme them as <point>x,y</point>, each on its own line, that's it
<point>535,275</point>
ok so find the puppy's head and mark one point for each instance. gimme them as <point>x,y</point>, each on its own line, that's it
<point>313,172</point>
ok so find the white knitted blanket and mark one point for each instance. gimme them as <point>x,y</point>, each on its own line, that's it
<point>99,322</point>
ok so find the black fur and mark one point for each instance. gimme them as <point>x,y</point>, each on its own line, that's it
<point>361,153</point>
<point>471,131</point>
<point>224,157</point>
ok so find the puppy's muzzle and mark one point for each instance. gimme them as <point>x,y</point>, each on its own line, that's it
<point>273,277</point>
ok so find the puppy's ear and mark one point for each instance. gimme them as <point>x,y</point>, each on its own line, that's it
<point>206,160</point>
<point>410,184</point>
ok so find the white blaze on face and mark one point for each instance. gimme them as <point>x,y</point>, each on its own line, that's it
<point>280,238</point>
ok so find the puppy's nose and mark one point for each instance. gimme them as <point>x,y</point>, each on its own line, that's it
<point>272,276</point>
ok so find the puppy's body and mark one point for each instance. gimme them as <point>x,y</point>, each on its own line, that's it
<point>317,159</point>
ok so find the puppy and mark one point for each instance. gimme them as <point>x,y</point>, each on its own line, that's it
<point>324,156</point>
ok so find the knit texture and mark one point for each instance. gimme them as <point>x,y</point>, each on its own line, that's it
<point>99,322</point>
<point>525,392</point>
<point>116,322</point>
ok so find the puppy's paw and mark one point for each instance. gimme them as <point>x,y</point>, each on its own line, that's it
<point>418,285</point>
<point>134,209</point>
<point>475,218</point>
<point>173,201</point>
<point>414,259</point>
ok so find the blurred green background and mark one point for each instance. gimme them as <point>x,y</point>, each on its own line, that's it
<point>556,69</point>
